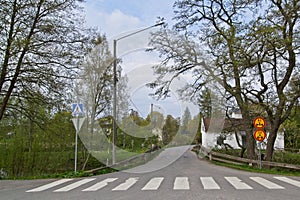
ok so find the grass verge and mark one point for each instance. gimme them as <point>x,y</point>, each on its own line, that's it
<point>248,168</point>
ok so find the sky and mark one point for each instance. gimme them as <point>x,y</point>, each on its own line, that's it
<point>116,18</point>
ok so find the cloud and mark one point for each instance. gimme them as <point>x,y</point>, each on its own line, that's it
<point>116,22</point>
<point>111,23</point>
<point>116,16</point>
<point>141,100</point>
<point>117,19</point>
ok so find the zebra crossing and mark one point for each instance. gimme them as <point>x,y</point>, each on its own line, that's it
<point>179,183</point>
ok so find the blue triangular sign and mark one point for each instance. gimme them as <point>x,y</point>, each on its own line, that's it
<point>77,109</point>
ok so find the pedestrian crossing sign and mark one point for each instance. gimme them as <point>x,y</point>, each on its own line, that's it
<point>77,109</point>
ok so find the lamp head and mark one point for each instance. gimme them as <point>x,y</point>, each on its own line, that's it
<point>160,23</point>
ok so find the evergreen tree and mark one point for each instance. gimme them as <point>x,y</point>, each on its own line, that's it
<point>170,129</point>
<point>186,118</point>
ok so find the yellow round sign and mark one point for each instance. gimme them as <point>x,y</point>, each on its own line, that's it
<point>259,122</point>
<point>260,135</point>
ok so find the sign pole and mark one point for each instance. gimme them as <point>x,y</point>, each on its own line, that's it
<point>76,144</point>
<point>259,154</point>
<point>77,112</point>
<point>259,135</point>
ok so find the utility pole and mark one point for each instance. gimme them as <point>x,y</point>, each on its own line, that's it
<point>115,79</point>
<point>114,136</point>
<point>151,112</point>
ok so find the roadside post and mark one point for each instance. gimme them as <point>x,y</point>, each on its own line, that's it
<point>259,135</point>
<point>77,113</point>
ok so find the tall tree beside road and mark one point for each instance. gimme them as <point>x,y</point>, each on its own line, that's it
<point>95,79</point>
<point>94,84</point>
<point>250,48</point>
<point>169,130</point>
<point>41,45</point>
<point>205,102</point>
<point>186,118</point>
<point>291,129</point>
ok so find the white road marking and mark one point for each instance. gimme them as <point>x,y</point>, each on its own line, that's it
<point>74,185</point>
<point>153,184</point>
<point>209,183</point>
<point>100,185</point>
<point>48,186</point>
<point>181,183</point>
<point>126,185</point>
<point>266,183</point>
<point>238,184</point>
<point>288,180</point>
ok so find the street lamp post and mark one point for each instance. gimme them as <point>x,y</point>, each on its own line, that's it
<point>114,136</point>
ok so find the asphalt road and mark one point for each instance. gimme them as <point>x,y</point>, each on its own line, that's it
<point>187,178</point>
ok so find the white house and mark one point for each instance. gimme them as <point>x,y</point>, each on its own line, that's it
<point>230,133</point>
<point>158,132</point>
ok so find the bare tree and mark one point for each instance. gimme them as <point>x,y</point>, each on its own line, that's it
<point>94,87</point>
<point>95,79</point>
<point>41,45</point>
<point>251,53</point>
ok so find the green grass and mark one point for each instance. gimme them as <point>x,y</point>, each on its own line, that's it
<point>68,174</point>
<point>61,164</point>
<point>276,171</point>
<point>279,156</point>
<point>120,155</point>
<point>287,157</point>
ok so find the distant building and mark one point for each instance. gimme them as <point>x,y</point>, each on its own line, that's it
<point>236,114</point>
<point>231,132</point>
<point>157,132</point>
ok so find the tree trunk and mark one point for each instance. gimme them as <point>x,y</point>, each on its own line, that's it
<point>241,144</point>
<point>250,145</point>
<point>85,162</point>
<point>249,134</point>
<point>271,142</point>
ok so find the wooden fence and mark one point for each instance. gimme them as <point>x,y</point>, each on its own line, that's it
<point>220,157</point>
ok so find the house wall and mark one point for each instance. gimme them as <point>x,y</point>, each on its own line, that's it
<point>209,140</point>
<point>231,140</point>
<point>279,142</point>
